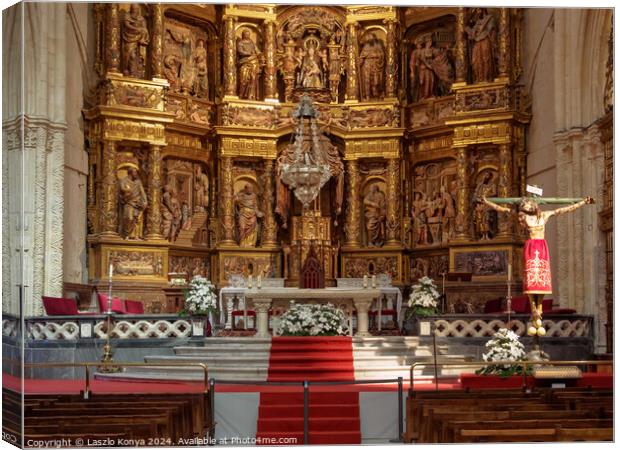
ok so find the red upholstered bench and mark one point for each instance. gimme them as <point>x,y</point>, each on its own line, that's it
<point>134,307</point>
<point>59,306</point>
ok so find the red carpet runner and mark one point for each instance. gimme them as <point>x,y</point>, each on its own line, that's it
<point>334,416</point>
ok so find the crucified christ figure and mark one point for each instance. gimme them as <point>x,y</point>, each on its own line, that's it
<point>537,268</point>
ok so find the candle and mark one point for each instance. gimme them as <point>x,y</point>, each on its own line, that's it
<point>374,281</point>
<point>509,272</point>
<point>365,283</point>
<point>250,281</point>
<point>259,281</point>
<point>110,271</point>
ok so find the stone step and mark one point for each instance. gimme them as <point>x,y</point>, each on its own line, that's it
<point>213,360</point>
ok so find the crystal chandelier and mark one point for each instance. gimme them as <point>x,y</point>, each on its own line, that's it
<point>309,170</point>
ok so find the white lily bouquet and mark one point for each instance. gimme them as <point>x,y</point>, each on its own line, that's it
<point>503,346</point>
<point>200,297</point>
<point>313,320</point>
<point>424,297</point>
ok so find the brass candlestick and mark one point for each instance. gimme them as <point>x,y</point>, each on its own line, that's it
<point>107,360</point>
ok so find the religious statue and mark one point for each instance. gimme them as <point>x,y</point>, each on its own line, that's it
<point>247,214</point>
<point>249,65</point>
<point>449,214</point>
<point>171,214</point>
<point>172,64</point>
<point>135,36</point>
<point>201,190</point>
<point>312,66</point>
<point>372,68</point>
<point>374,211</point>
<point>482,36</point>
<point>483,216</point>
<point>133,203</point>
<point>186,217</point>
<point>420,228</point>
<point>536,263</point>
<point>430,70</point>
<point>199,58</point>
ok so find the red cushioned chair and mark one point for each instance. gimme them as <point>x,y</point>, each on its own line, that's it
<point>547,305</point>
<point>58,306</point>
<point>133,307</point>
<point>118,305</point>
<point>493,306</point>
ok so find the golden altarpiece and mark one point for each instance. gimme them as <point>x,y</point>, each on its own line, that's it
<point>420,109</point>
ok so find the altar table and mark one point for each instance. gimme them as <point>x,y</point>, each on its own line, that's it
<point>262,300</point>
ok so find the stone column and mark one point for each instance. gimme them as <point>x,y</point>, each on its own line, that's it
<point>271,87</point>
<point>109,190</point>
<point>157,45</point>
<point>113,41</point>
<point>463,228</point>
<point>352,218</point>
<point>390,59</point>
<point>261,306</point>
<point>504,187</point>
<point>230,57</point>
<point>459,53</point>
<point>154,194</point>
<point>393,201</point>
<point>227,212</point>
<point>352,91</point>
<point>504,43</point>
<point>270,229</point>
<point>362,305</point>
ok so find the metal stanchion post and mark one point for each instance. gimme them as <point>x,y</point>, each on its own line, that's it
<point>306,411</point>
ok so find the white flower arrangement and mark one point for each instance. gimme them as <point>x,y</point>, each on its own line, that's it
<point>313,320</point>
<point>200,298</point>
<point>503,346</point>
<point>424,297</point>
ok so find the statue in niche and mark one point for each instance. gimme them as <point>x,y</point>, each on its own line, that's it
<point>135,37</point>
<point>201,190</point>
<point>199,59</point>
<point>430,70</point>
<point>171,214</point>
<point>372,68</point>
<point>247,215</point>
<point>249,65</point>
<point>483,215</point>
<point>433,214</point>
<point>374,211</point>
<point>133,203</point>
<point>420,228</point>
<point>312,63</point>
<point>449,214</point>
<point>483,37</point>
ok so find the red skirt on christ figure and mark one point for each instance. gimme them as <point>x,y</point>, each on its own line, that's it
<point>537,276</point>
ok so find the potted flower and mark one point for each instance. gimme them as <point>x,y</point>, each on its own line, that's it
<point>200,302</point>
<point>312,320</point>
<point>503,346</point>
<point>423,302</point>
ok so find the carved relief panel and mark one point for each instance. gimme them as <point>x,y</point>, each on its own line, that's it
<point>191,265</point>
<point>430,56</point>
<point>433,209</point>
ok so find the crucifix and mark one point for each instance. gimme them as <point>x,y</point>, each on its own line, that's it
<point>537,267</point>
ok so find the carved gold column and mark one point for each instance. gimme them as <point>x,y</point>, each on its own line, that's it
<point>227,212</point>
<point>271,87</point>
<point>459,53</point>
<point>390,58</point>
<point>352,217</point>
<point>463,228</point>
<point>157,53</point>
<point>352,91</point>
<point>109,190</point>
<point>270,230</point>
<point>113,40</point>
<point>504,43</point>
<point>393,201</point>
<point>153,220</point>
<point>230,57</point>
<point>504,187</point>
